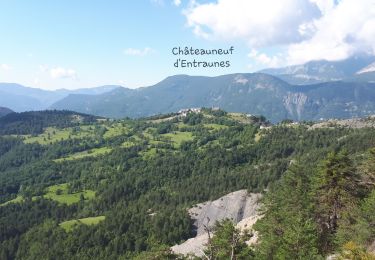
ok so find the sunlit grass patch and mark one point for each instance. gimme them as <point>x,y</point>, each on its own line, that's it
<point>178,137</point>
<point>115,130</point>
<point>18,199</point>
<point>53,135</point>
<point>71,224</point>
<point>89,153</point>
<point>60,194</point>
<point>215,126</point>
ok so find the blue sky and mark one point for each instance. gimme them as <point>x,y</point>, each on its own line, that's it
<point>88,43</point>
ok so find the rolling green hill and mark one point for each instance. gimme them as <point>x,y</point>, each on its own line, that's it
<point>36,121</point>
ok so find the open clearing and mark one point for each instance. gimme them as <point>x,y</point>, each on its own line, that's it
<point>70,224</point>
<point>214,127</point>
<point>115,130</point>
<point>178,137</point>
<point>18,199</point>
<point>60,194</point>
<point>53,135</point>
<point>89,153</point>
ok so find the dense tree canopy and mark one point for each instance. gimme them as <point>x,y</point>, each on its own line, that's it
<point>119,189</point>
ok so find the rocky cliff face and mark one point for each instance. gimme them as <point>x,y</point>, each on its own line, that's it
<point>294,103</point>
<point>240,206</point>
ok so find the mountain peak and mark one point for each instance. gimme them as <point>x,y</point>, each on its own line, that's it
<point>325,71</point>
<point>5,111</point>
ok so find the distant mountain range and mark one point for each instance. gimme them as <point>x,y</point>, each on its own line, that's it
<point>20,98</point>
<point>256,93</point>
<point>358,68</point>
<point>5,111</point>
<point>312,91</point>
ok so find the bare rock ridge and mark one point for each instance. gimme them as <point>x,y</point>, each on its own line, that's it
<point>347,123</point>
<point>239,206</point>
<point>235,206</point>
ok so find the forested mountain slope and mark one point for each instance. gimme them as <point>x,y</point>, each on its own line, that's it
<point>121,189</point>
<point>34,122</point>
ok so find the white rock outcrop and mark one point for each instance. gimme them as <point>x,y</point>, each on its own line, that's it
<point>240,206</point>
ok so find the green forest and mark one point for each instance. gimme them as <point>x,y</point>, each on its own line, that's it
<point>74,186</point>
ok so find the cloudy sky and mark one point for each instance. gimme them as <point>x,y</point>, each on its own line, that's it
<point>88,43</point>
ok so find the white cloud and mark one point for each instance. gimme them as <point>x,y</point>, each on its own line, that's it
<point>43,68</point>
<point>306,29</point>
<point>264,59</point>
<point>346,29</point>
<point>62,73</point>
<point>138,52</point>
<point>259,23</point>
<point>162,2</point>
<point>324,5</point>
<point>5,67</point>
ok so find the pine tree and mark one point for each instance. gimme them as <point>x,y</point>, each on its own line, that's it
<point>287,230</point>
<point>335,191</point>
<point>228,242</point>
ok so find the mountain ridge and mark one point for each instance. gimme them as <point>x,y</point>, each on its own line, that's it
<point>5,111</point>
<point>169,95</point>
<point>356,68</point>
<point>253,93</point>
<point>21,98</point>
<point>311,91</point>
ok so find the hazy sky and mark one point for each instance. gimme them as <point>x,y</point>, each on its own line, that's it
<point>88,43</point>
